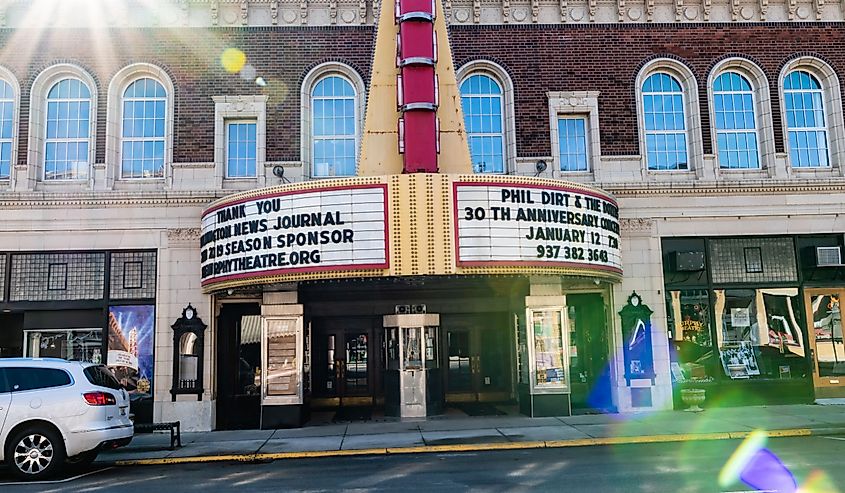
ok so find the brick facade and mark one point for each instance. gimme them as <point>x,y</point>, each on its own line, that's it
<point>539,58</point>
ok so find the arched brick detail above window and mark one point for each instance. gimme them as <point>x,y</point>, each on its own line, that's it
<point>755,76</point>
<point>118,85</point>
<point>832,104</point>
<point>689,87</point>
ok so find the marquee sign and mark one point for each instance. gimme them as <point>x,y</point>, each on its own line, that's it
<point>287,232</point>
<point>535,225</point>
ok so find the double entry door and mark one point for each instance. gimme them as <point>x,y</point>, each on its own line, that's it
<point>478,357</point>
<point>345,360</point>
<point>827,350</point>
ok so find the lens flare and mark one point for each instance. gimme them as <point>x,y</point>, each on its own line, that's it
<point>757,466</point>
<point>233,60</point>
<point>818,482</point>
<point>741,457</point>
<point>248,73</point>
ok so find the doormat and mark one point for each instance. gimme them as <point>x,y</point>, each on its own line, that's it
<point>345,414</point>
<point>478,409</point>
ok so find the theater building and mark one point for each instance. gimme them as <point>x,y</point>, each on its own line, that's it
<point>257,210</point>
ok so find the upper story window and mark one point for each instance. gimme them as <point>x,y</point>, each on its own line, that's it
<point>481,100</point>
<point>66,151</point>
<point>241,149</point>
<point>572,139</point>
<point>143,136</point>
<point>736,122</point>
<point>334,127</point>
<point>806,120</point>
<point>7,128</point>
<point>665,119</point>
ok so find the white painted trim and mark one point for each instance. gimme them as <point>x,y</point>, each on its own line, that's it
<point>762,113</point>
<point>37,125</point>
<point>583,104</point>
<point>9,77</point>
<point>689,85</point>
<point>833,112</point>
<point>114,122</point>
<point>311,79</point>
<point>500,75</point>
<point>240,108</point>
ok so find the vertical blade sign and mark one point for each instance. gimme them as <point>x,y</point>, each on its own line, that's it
<point>417,95</point>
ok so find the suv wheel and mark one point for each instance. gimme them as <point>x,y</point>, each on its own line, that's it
<point>35,453</point>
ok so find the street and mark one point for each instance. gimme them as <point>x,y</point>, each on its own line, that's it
<point>660,467</point>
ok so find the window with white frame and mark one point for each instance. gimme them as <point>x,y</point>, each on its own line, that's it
<point>482,104</point>
<point>664,113</point>
<point>334,128</point>
<point>144,116</point>
<point>66,147</point>
<point>736,122</point>
<point>241,149</point>
<point>806,120</point>
<point>572,141</point>
<point>7,128</point>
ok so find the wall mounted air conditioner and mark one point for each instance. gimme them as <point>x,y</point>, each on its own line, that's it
<point>829,256</point>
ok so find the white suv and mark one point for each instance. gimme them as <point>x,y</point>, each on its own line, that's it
<point>54,412</point>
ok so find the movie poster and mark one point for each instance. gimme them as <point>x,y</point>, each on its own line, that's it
<point>131,330</point>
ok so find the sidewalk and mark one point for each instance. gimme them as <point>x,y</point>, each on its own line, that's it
<point>463,433</point>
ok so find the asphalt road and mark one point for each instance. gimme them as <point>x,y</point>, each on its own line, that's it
<point>668,467</point>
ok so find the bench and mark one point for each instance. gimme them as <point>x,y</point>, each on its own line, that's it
<point>173,427</point>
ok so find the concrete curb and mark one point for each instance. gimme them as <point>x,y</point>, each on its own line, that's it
<point>476,447</point>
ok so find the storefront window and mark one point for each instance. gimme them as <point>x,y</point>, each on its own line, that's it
<point>758,334</point>
<point>827,330</point>
<point>694,359</point>
<point>549,348</point>
<point>69,344</point>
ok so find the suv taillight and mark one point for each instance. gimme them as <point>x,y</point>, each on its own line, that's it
<point>99,398</point>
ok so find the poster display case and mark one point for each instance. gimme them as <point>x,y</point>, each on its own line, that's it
<point>543,356</point>
<point>548,347</point>
<point>282,358</point>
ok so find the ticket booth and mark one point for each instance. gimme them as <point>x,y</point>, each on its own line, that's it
<point>413,383</point>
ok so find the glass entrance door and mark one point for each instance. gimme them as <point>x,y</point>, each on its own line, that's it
<point>588,352</point>
<point>343,365</point>
<point>824,322</point>
<point>478,358</point>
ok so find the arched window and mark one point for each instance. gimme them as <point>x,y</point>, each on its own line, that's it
<point>7,128</point>
<point>665,120</point>
<point>481,100</point>
<point>66,151</point>
<point>334,127</point>
<point>806,120</point>
<point>736,122</point>
<point>144,116</point>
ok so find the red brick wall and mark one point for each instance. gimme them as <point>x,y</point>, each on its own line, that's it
<point>539,59</point>
<point>607,58</point>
